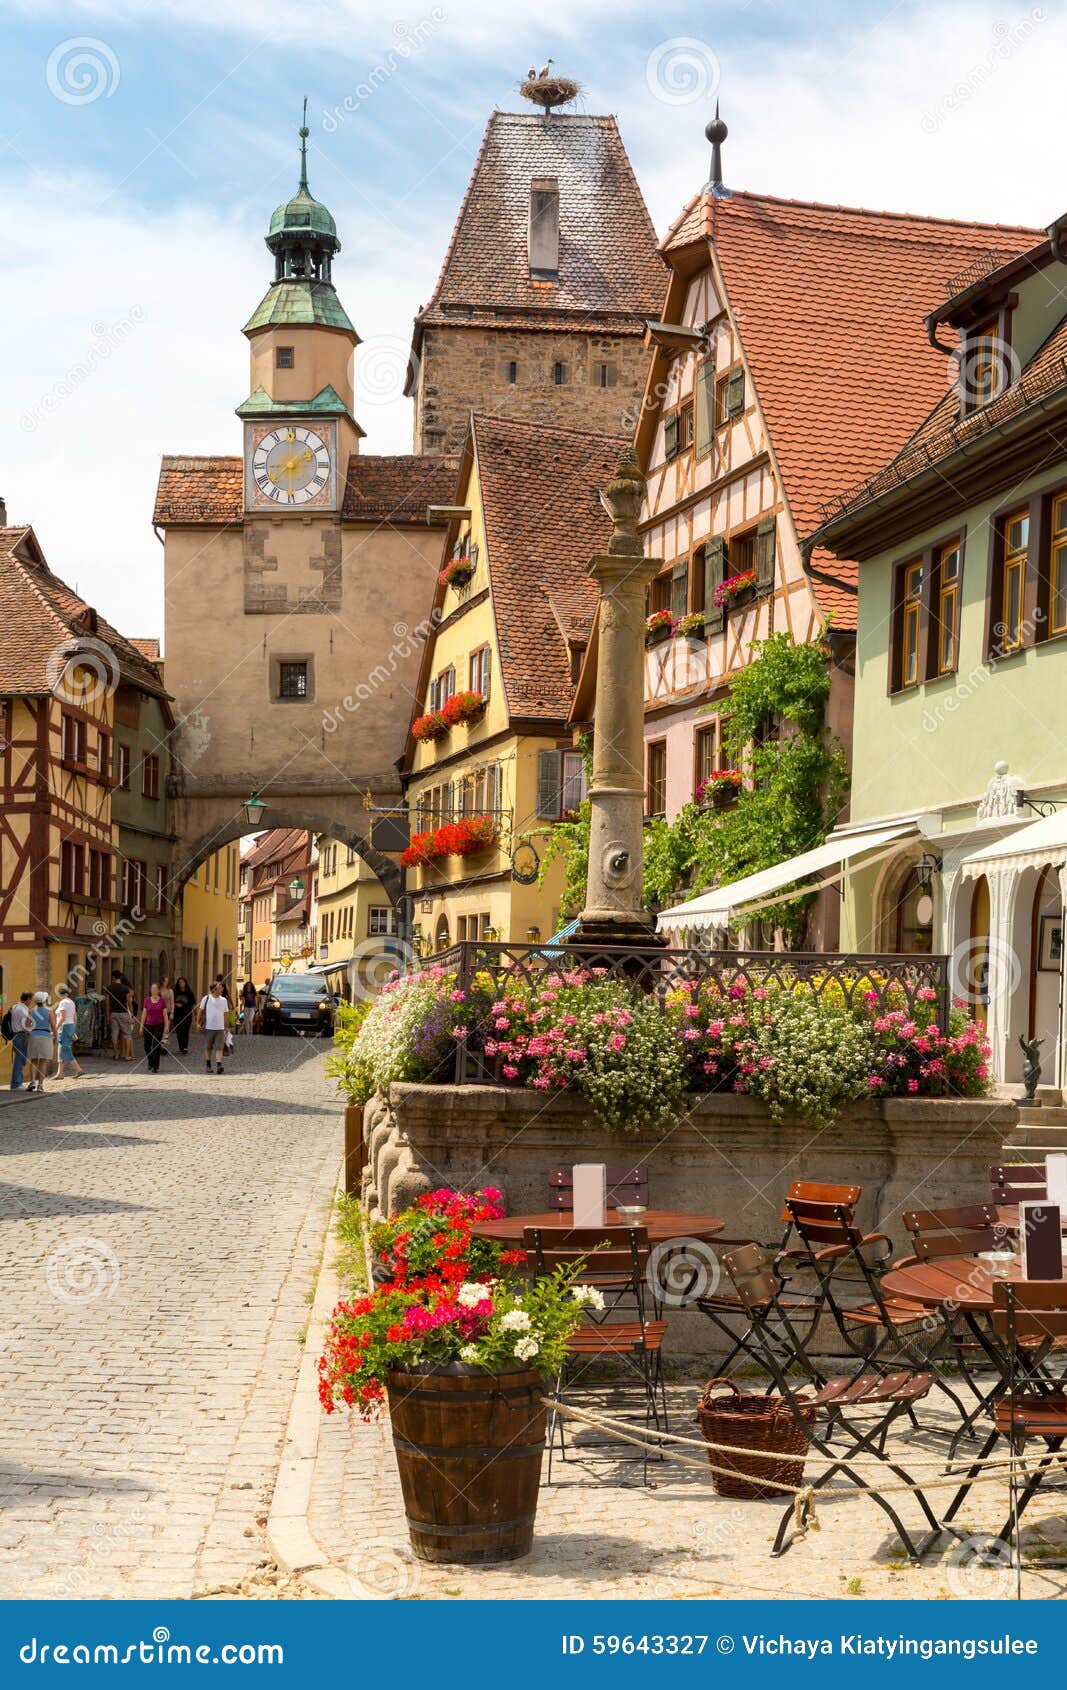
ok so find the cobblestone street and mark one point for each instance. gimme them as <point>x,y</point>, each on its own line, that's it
<point>159,1242</point>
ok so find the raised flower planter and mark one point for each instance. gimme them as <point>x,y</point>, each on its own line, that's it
<point>460,1350</point>
<point>690,627</point>
<point>720,789</point>
<point>461,838</point>
<point>462,707</point>
<point>659,626</point>
<point>457,571</point>
<point>734,590</point>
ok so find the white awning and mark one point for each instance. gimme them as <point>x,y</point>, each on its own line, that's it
<point>1043,843</point>
<point>722,906</point>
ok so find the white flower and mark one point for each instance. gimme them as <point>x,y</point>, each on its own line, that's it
<point>516,1320</point>
<point>588,1294</point>
<point>526,1349</point>
<point>470,1294</point>
<point>468,1353</point>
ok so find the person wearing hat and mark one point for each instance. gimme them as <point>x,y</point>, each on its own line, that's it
<point>40,1040</point>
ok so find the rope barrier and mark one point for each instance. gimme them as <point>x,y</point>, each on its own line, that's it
<point>991,1470</point>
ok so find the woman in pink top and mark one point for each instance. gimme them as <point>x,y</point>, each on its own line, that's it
<point>155,1025</point>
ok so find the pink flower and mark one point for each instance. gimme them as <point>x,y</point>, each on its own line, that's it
<point>460,1033</point>
<point>913,1085</point>
<point>509,1071</point>
<point>576,1054</point>
<point>617,1041</point>
<point>501,1023</point>
<point>457,996</point>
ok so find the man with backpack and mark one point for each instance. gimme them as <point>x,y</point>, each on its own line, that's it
<point>15,1023</point>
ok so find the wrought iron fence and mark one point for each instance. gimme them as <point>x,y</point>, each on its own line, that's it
<point>851,977</point>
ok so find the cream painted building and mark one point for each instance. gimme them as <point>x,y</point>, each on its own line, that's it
<point>357,942</point>
<point>491,764</point>
<point>210,900</point>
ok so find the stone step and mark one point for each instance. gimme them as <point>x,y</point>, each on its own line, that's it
<point>1052,1116</point>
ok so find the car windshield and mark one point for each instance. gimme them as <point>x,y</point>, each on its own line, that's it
<point>297,986</point>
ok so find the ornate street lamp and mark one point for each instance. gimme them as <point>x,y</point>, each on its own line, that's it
<point>296,888</point>
<point>613,914</point>
<point>253,809</point>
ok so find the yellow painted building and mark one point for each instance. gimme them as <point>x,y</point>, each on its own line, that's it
<point>209,919</point>
<point>513,623</point>
<point>356,926</point>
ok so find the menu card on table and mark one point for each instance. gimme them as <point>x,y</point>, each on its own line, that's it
<point>590,1193</point>
<point>1039,1234</point>
<point>1056,1178</point>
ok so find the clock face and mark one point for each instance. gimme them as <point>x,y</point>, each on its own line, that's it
<point>291,465</point>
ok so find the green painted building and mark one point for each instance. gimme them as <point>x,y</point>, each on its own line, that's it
<point>959,755</point>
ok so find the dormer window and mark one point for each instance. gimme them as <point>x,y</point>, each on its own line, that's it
<point>543,234</point>
<point>984,363</point>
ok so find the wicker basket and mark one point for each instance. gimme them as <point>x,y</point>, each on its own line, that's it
<point>754,1422</point>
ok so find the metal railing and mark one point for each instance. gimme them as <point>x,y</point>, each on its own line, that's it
<point>896,980</point>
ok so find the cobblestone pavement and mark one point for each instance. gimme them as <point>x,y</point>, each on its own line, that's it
<point>601,1533</point>
<point>160,1237</point>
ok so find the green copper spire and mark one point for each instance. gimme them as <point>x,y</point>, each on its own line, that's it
<point>304,133</point>
<point>303,238</point>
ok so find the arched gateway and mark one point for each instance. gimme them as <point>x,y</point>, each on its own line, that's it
<point>299,577</point>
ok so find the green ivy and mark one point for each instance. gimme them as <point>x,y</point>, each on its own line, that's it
<point>795,785</point>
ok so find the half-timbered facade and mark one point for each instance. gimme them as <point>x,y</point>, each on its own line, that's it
<point>785,355</point>
<point>61,912</point>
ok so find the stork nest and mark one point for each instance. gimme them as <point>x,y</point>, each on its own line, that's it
<point>549,91</point>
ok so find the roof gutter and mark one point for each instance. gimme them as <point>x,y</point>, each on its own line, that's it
<point>1055,233</point>
<point>807,547</point>
<point>904,490</point>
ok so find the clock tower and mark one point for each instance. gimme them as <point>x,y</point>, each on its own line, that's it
<point>299,431</point>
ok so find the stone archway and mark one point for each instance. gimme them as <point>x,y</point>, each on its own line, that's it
<point>204,825</point>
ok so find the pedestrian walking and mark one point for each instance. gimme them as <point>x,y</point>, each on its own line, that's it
<point>184,1005</point>
<point>213,1016</point>
<point>120,1009</point>
<point>166,992</point>
<point>248,999</point>
<point>66,1017</point>
<point>40,1040</point>
<point>155,1025</point>
<point>20,1025</point>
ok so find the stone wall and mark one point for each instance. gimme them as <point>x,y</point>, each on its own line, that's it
<point>464,369</point>
<point>726,1158</point>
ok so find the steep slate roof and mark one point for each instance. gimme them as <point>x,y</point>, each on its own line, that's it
<point>609,274</point>
<point>210,491</point>
<point>830,301</point>
<point>543,522</point>
<point>277,842</point>
<point>42,620</point>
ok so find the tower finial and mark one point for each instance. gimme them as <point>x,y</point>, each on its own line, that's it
<point>304,133</point>
<point>716,132</point>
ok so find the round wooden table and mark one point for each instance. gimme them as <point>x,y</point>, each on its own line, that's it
<point>961,1282</point>
<point>664,1226</point>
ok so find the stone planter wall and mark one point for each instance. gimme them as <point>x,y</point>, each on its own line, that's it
<point>727,1158</point>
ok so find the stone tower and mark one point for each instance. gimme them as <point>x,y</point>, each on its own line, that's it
<point>550,275</point>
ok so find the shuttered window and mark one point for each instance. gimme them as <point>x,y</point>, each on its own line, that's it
<point>680,589</point>
<point>705,407</point>
<point>670,438</point>
<point>560,783</point>
<point>765,538</point>
<point>656,778</point>
<point>714,574</point>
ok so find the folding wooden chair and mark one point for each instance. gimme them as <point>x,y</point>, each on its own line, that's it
<point>621,1253</point>
<point>723,1306</point>
<point>1018,1182</point>
<point>837,1401</point>
<point>1028,1316</point>
<point>625,1185</point>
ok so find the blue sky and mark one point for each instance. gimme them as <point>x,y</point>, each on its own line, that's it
<point>135,216</point>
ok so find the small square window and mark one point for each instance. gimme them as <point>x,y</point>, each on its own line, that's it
<point>293,680</point>
<point>284,358</point>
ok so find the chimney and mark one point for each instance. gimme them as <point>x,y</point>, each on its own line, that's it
<point>3,511</point>
<point>543,241</point>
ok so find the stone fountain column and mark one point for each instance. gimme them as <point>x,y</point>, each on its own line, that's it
<point>613,912</point>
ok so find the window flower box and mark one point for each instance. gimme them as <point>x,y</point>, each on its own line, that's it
<point>457,571</point>
<point>690,627</point>
<point>730,591</point>
<point>430,726</point>
<point>421,851</point>
<point>720,789</point>
<point>462,707</point>
<point>659,626</point>
<point>465,837</point>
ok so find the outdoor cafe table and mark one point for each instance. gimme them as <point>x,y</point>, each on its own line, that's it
<point>961,1286</point>
<point>664,1226</point>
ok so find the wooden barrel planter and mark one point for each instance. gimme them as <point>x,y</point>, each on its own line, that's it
<point>469,1446</point>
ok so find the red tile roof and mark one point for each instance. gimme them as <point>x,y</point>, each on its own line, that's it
<point>148,647</point>
<point>43,622</point>
<point>829,302</point>
<point>608,263</point>
<point>543,522</point>
<point>396,489</point>
<point>210,491</point>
